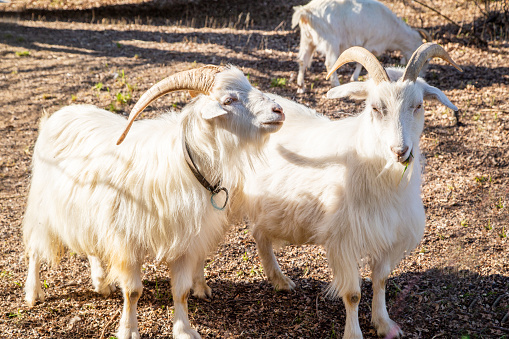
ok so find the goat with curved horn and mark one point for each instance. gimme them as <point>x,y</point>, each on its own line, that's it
<point>421,55</point>
<point>366,59</point>
<point>425,34</point>
<point>200,80</point>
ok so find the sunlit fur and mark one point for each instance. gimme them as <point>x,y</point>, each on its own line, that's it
<point>337,184</point>
<point>118,204</point>
<point>332,26</point>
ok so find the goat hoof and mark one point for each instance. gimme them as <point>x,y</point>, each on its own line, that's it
<point>283,283</point>
<point>128,333</point>
<point>105,290</point>
<point>301,90</point>
<point>32,297</point>
<point>388,329</point>
<point>185,333</point>
<point>202,291</point>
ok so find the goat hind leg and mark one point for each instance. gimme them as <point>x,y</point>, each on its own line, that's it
<point>270,264</point>
<point>99,277</point>
<point>200,288</point>
<point>33,289</point>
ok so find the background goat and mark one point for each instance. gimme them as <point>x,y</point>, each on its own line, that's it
<point>332,26</point>
<point>344,184</point>
<point>117,204</point>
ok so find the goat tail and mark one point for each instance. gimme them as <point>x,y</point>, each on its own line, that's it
<point>44,117</point>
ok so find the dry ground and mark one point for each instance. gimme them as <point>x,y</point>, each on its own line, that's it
<point>106,53</point>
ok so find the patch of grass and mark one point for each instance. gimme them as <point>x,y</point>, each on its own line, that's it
<point>112,108</point>
<point>99,86</point>
<point>499,204</point>
<point>482,179</point>
<point>503,234</point>
<point>119,45</point>
<point>464,223</point>
<point>73,98</point>
<point>245,257</point>
<point>45,284</point>
<point>278,82</point>
<point>20,39</point>
<point>123,98</point>
<point>23,53</point>
<point>488,227</point>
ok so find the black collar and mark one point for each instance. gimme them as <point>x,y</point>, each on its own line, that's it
<point>213,189</point>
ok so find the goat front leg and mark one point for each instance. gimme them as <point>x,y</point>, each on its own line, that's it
<point>379,317</point>
<point>306,50</point>
<point>129,277</point>
<point>270,264</point>
<point>182,271</point>
<point>99,277</point>
<point>346,283</point>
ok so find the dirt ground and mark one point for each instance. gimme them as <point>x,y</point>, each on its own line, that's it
<point>107,53</point>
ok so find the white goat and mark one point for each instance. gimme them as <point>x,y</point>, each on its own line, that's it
<point>117,204</point>
<point>332,26</point>
<point>345,184</point>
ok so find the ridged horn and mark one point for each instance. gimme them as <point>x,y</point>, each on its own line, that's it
<point>366,59</point>
<point>425,34</point>
<point>199,80</point>
<point>421,55</point>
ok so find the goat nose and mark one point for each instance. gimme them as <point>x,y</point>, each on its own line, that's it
<point>277,109</point>
<point>399,151</point>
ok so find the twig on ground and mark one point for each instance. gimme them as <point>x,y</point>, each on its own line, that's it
<point>108,324</point>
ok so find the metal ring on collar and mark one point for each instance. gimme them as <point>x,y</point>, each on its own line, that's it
<point>216,193</point>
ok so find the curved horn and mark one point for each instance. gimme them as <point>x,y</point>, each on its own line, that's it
<point>421,55</point>
<point>200,80</point>
<point>425,34</point>
<point>366,59</point>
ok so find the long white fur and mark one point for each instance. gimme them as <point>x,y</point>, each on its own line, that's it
<point>117,204</point>
<point>332,26</point>
<point>339,184</point>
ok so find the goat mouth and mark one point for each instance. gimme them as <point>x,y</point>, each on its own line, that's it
<point>276,123</point>
<point>408,160</point>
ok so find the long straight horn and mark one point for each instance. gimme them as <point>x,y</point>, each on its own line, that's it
<point>200,80</point>
<point>421,55</point>
<point>366,59</point>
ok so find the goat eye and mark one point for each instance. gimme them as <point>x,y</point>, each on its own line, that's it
<point>378,111</point>
<point>418,106</point>
<point>228,101</point>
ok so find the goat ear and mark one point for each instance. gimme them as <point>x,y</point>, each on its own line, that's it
<point>356,90</point>
<point>209,108</point>
<point>212,110</point>
<point>433,93</point>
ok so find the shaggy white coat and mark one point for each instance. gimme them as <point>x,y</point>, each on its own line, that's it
<point>332,26</point>
<point>339,184</point>
<point>118,204</point>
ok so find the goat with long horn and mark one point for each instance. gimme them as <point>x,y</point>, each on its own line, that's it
<point>161,192</point>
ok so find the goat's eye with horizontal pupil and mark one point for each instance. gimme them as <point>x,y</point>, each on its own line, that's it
<point>228,101</point>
